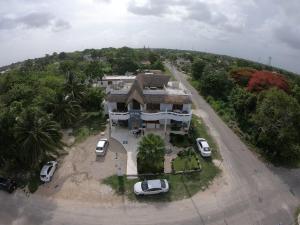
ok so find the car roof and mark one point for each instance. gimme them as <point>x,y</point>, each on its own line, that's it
<point>101,143</point>
<point>154,184</point>
<point>203,142</point>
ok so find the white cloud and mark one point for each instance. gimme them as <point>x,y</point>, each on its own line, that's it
<point>251,29</point>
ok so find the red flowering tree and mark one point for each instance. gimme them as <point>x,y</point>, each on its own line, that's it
<point>242,75</point>
<point>262,80</point>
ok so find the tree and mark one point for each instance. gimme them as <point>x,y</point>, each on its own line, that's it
<point>94,70</point>
<point>263,80</point>
<point>198,68</point>
<point>216,84</point>
<point>74,88</point>
<point>151,151</point>
<point>38,138</point>
<point>158,65</point>
<point>243,103</point>
<point>64,109</point>
<point>242,75</point>
<point>278,125</point>
<point>67,66</point>
<point>93,99</point>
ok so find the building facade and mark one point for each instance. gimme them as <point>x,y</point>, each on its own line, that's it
<point>151,101</point>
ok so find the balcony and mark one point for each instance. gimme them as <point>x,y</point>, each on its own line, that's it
<point>177,116</point>
<point>119,115</point>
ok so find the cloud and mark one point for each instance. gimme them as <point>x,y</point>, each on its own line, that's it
<point>150,7</point>
<point>34,20</point>
<point>61,25</point>
<point>289,35</point>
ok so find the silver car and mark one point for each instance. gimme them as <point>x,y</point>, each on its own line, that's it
<point>48,171</point>
<point>101,147</point>
<point>150,187</point>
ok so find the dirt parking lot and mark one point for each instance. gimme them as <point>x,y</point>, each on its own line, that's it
<point>80,173</point>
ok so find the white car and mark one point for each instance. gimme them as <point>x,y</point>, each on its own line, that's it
<point>48,171</point>
<point>101,147</point>
<point>150,187</point>
<point>203,147</point>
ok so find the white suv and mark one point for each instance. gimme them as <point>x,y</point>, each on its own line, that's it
<point>203,147</point>
<point>48,171</point>
<point>101,147</point>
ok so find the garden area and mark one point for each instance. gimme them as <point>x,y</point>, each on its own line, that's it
<point>190,172</point>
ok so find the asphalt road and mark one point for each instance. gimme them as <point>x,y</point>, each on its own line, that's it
<point>248,193</point>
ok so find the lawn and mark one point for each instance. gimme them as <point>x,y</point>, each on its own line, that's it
<point>186,160</point>
<point>181,186</point>
<point>199,129</point>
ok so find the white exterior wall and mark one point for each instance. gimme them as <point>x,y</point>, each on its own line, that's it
<point>112,106</point>
<point>164,107</point>
<point>187,107</point>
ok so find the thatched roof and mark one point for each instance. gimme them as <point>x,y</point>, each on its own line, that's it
<point>154,80</point>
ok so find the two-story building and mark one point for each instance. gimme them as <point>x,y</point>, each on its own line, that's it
<point>151,100</point>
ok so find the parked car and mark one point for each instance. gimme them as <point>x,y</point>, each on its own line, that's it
<point>150,187</point>
<point>8,185</point>
<point>102,147</point>
<point>48,171</point>
<point>203,147</point>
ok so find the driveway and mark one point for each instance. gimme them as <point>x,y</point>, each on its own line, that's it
<point>80,173</point>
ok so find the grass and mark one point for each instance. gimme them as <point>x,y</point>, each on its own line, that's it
<point>199,129</point>
<point>187,160</point>
<point>92,124</point>
<point>181,186</point>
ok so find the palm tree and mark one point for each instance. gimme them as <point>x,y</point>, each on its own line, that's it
<point>65,110</point>
<point>38,137</point>
<point>74,89</point>
<point>151,152</point>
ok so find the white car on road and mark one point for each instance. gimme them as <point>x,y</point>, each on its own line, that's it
<point>150,187</point>
<point>48,171</point>
<point>203,147</point>
<point>101,147</point>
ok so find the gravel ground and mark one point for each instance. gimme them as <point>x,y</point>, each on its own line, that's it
<point>80,173</point>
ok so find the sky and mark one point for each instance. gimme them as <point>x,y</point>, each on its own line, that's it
<point>251,29</point>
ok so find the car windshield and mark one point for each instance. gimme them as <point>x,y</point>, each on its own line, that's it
<point>43,175</point>
<point>163,183</point>
<point>144,186</point>
<point>98,148</point>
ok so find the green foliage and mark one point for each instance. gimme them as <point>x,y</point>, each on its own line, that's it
<point>37,137</point>
<point>186,160</point>
<point>94,70</point>
<point>198,68</point>
<point>243,103</point>
<point>150,157</point>
<point>216,84</point>
<point>93,99</point>
<point>278,126</point>
<point>180,141</point>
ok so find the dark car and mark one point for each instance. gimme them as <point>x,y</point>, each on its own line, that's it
<point>8,185</point>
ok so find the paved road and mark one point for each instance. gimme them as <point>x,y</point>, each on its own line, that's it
<point>249,193</point>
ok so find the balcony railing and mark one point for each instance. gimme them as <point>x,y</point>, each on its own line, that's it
<point>184,117</point>
<point>119,115</point>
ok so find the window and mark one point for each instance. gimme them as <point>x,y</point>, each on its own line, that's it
<point>177,107</point>
<point>152,106</point>
<point>121,107</point>
<point>49,169</point>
